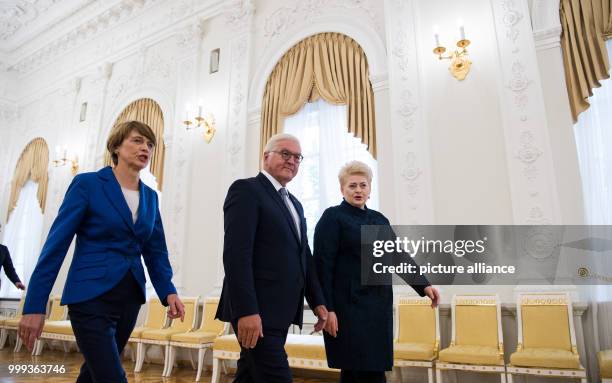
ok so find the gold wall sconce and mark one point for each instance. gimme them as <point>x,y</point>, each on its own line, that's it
<point>205,121</point>
<point>61,159</point>
<point>460,62</point>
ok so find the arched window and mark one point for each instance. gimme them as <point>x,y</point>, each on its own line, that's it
<point>326,147</point>
<point>320,92</point>
<point>23,231</point>
<point>594,145</point>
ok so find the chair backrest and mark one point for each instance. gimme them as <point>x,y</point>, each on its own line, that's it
<point>545,320</point>
<point>477,321</point>
<point>156,314</point>
<point>58,312</point>
<point>417,322</point>
<point>19,311</point>
<point>191,309</point>
<point>209,323</point>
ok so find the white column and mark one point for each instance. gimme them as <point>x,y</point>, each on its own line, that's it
<point>410,141</point>
<point>528,150</point>
<point>239,17</point>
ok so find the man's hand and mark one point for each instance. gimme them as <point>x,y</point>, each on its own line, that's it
<point>332,324</point>
<point>20,286</point>
<point>176,308</point>
<point>321,312</point>
<point>30,328</point>
<point>249,330</point>
<point>434,295</point>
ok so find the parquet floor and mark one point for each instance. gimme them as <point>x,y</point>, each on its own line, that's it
<point>150,372</point>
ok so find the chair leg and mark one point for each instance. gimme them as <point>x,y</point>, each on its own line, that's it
<point>503,377</point>
<point>216,373</point>
<point>18,344</point>
<point>3,337</point>
<point>191,360</point>
<point>583,380</point>
<point>38,347</point>
<point>509,376</point>
<point>430,375</point>
<point>224,366</point>
<point>171,359</point>
<point>140,354</point>
<point>166,359</point>
<point>201,353</point>
<point>438,375</point>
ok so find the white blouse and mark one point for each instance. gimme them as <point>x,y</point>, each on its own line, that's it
<point>132,197</point>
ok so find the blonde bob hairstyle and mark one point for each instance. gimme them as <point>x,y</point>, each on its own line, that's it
<point>354,168</point>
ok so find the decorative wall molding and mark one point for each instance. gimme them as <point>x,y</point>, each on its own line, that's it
<point>238,12</point>
<point>99,34</point>
<point>16,15</point>
<point>306,11</point>
<point>529,157</point>
<point>411,158</point>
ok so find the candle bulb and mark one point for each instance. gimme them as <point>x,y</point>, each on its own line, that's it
<point>187,107</point>
<point>461,29</point>
<point>437,35</point>
<point>57,151</point>
<point>200,103</point>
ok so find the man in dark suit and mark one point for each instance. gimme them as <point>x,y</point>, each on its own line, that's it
<point>268,265</point>
<point>7,264</point>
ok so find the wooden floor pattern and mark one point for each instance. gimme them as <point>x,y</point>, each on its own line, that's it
<point>150,372</point>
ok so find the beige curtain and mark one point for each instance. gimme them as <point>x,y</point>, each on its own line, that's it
<point>32,164</point>
<point>147,111</point>
<point>328,65</point>
<point>586,25</point>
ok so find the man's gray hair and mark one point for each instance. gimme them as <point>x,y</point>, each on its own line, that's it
<point>275,139</point>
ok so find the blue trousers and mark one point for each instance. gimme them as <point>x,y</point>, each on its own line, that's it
<point>267,362</point>
<point>102,327</point>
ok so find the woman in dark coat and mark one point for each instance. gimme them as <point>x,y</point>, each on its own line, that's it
<point>359,338</point>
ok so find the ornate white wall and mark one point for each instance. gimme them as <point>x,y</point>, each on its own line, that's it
<point>495,148</point>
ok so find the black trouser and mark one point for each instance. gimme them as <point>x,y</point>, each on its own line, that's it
<point>267,362</point>
<point>102,327</point>
<point>350,376</point>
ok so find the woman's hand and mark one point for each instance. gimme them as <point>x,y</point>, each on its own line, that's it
<point>321,313</point>
<point>176,308</point>
<point>30,328</point>
<point>434,295</point>
<point>332,324</point>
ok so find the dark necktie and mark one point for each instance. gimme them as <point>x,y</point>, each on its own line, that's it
<point>285,196</point>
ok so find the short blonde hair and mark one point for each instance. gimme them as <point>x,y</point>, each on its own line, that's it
<point>275,139</point>
<point>354,168</point>
<point>122,131</point>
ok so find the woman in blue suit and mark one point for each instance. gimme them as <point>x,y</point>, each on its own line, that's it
<point>116,219</point>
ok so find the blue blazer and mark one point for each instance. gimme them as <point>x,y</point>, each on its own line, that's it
<point>268,268</point>
<point>108,243</point>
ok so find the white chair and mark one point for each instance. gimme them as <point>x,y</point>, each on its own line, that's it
<point>161,337</point>
<point>155,319</point>
<point>10,324</point>
<point>56,328</point>
<point>546,338</point>
<point>477,343</point>
<point>201,339</point>
<point>417,339</point>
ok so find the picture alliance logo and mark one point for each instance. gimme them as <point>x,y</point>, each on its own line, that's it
<point>422,246</point>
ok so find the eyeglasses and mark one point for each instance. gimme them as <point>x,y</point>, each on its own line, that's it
<point>287,155</point>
